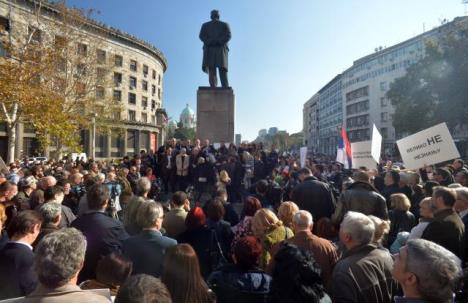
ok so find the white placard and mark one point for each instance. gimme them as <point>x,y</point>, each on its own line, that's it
<point>303,155</point>
<point>430,146</point>
<point>362,155</point>
<point>376,144</point>
<point>216,145</point>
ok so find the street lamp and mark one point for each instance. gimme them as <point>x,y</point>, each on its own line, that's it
<point>93,135</point>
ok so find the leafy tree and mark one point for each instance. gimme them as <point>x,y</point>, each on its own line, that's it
<point>434,90</point>
<point>183,133</point>
<point>53,77</point>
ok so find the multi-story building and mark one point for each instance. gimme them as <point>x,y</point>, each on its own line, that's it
<point>238,139</point>
<point>137,73</point>
<point>330,116</point>
<point>363,89</point>
<point>310,123</point>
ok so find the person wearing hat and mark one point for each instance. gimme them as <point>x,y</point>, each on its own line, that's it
<point>27,186</point>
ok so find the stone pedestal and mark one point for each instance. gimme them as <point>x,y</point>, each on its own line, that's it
<point>215,114</point>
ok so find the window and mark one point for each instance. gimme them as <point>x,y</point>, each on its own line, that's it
<point>159,93</point>
<point>159,79</point>
<point>35,34</point>
<point>153,105</point>
<point>100,92</point>
<point>383,86</point>
<point>4,24</point>
<point>82,49</point>
<point>133,65</point>
<point>144,117</point>
<point>100,73</point>
<point>131,115</point>
<point>383,102</point>
<point>384,132</point>
<point>144,102</point>
<point>117,79</point>
<point>154,74</point>
<point>101,56</point>
<point>133,82</point>
<point>117,115</point>
<point>118,60</point>
<point>117,95</point>
<point>153,90</point>
<point>383,117</point>
<point>80,70</point>
<point>145,70</point>
<point>60,41</point>
<point>131,98</point>
<point>144,85</point>
<point>358,93</point>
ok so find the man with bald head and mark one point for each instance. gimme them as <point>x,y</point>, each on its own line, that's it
<point>324,251</point>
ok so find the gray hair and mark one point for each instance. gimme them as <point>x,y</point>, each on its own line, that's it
<point>437,269</point>
<point>50,211</point>
<point>462,193</point>
<point>303,219</point>
<point>359,226</point>
<point>455,185</point>
<point>143,186</point>
<point>148,213</point>
<point>59,256</point>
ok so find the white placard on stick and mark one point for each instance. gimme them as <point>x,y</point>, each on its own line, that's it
<point>303,155</point>
<point>376,144</point>
<point>362,155</point>
<point>430,146</point>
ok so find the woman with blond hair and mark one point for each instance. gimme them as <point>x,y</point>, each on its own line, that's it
<point>286,212</point>
<point>382,228</point>
<point>224,180</point>
<point>401,219</point>
<point>269,230</point>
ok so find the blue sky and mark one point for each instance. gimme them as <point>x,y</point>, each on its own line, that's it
<point>282,51</point>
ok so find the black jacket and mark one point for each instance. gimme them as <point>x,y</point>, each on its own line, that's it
<point>232,285</point>
<point>364,275</point>
<point>447,230</point>
<point>360,197</point>
<point>400,220</point>
<point>17,276</point>
<point>103,235</point>
<point>147,251</point>
<point>315,197</point>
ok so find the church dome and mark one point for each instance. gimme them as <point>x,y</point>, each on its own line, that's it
<point>187,112</point>
<point>187,117</point>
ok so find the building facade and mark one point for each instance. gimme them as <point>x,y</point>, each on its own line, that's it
<point>310,123</point>
<point>362,92</point>
<point>330,116</point>
<point>137,84</point>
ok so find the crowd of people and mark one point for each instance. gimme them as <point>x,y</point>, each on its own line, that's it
<point>190,223</point>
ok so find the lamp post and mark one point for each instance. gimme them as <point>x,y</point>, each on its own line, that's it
<point>93,135</point>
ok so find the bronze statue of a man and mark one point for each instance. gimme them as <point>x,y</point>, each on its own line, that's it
<point>215,35</point>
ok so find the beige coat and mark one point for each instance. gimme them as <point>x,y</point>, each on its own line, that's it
<point>66,293</point>
<point>182,166</point>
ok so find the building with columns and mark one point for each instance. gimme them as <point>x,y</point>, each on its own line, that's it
<point>137,84</point>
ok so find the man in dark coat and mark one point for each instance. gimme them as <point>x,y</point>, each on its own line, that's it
<point>215,35</point>
<point>104,235</point>
<point>447,229</point>
<point>362,197</point>
<point>314,196</point>
<point>364,273</point>
<point>17,276</point>
<point>147,249</point>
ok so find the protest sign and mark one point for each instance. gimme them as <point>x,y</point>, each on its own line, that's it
<point>303,155</point>
<point>376,144</point>
<point>362,156</point>
<point>430,146</point>
<point>216,145</point>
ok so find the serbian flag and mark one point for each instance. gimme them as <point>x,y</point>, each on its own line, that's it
<point>343,154</point>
